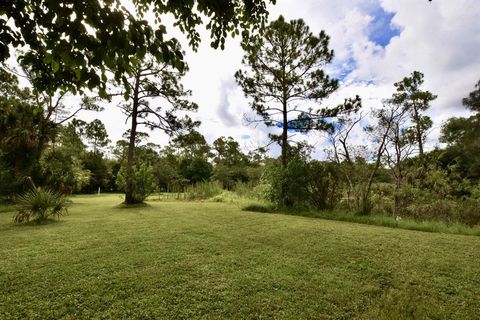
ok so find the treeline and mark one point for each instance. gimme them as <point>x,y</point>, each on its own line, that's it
<point>385,175</point>
<point>43,144</point>
<point>389,173</point>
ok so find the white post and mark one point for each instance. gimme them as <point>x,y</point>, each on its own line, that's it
<point>98,190</point>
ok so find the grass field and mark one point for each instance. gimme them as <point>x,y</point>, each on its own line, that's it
<point>190,260</point>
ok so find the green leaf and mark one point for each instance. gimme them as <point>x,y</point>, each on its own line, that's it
<point>55,66</point>
<point>48,59</point>
<point>102,93</point>
<point>78,73</point>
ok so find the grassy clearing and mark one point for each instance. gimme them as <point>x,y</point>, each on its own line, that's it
<point>403,223</point>
<point>207,260</point>
<point>377,220</point>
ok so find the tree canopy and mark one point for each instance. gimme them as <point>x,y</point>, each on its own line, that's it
<point>70,44</point>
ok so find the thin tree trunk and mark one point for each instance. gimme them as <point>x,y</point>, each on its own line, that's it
<point>418,132</point>
<point>396,199</point>
<point>365,205</point>
<point>398,174</point>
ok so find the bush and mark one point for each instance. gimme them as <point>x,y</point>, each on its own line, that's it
<point>143,181</point>
<point>39,206</point>
<point>10,183</point>
<point>475,191</point>
<point>383,198</point>
<point>423,204</point>
<point>262,191</point>
<point>203,190</point>
<point>303,184</point>
<point>63,172</point>
<point>288,186</point>
<point>324,187</point>
<point>468,211</point>
<point>229,176</point>
<point>435,209</point>
<point>248,190</point>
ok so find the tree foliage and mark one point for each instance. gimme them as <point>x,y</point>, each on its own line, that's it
<point>96,135</point>
<point>462,136</point>
<point>23,128</point>
<point>191,144</point>
<point>283,70</point>
<point>72,43</point>
<point>196,169</point>
<point>227,152</point>
<point>231,164</point>
<point>415,101</point>
<point>473,100</point>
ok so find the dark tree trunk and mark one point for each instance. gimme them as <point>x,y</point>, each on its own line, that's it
<point>35,173</point>
<point>285,136</point>
<point>129,198</point>
<point>287,202</point>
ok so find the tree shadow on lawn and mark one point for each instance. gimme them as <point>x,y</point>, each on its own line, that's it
<point>123,205</point>
<point>35,223</point>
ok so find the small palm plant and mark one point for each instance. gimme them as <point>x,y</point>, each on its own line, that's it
<point>40,205</point>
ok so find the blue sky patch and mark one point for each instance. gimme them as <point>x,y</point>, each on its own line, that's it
<point>297,125</point>
<point>346,68</point>
<point>381,30</point>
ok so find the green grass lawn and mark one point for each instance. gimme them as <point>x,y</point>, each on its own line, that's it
<point>185,260</point>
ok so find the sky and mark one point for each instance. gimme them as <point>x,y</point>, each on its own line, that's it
<point>376,43</point>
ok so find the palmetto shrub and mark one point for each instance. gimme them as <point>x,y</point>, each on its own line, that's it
<point>39,206</point>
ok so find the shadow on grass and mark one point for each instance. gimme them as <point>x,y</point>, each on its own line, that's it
<point>258,207</point>
<point>35,223</point>
<point>124,205</point>
<point>7,208</point>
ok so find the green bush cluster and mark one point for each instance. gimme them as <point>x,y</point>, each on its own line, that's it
<point>143,181</point>
<point>424,204</point>
<point>313,184</point>
<point>316,185</point>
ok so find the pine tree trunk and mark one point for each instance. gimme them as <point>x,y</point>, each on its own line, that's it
<point>285,136</point>
<point>129,198</point>
<point>287,202</point>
